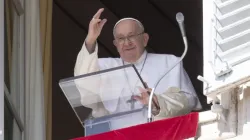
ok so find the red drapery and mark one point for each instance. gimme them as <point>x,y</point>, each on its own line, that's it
<point>177,128</point>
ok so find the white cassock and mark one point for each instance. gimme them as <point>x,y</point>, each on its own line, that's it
<point>175,92</point>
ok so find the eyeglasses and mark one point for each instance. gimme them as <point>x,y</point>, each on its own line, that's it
<point>131,38</point>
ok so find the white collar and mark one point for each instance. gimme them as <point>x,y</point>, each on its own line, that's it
<point>140,60</point>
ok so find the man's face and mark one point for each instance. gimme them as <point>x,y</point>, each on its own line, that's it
<point>130,40</point>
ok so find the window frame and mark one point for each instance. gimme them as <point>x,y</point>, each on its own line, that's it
<point>18,36</point>
<point>1,70</point>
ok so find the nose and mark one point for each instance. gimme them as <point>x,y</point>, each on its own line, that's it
<point>127,41</point>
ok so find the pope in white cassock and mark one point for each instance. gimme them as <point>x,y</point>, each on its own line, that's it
<point>174,95</point>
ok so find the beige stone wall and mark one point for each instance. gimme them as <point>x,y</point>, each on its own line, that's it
<point>236,104</point>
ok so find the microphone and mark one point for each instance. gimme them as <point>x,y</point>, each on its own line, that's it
<point>180,20</point>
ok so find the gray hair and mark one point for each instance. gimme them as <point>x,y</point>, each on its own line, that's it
<point>137,21</point>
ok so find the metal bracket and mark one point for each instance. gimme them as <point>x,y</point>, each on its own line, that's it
<point>223,70</point>
<point>202,79</point>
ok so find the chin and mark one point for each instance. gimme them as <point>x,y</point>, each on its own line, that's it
<point>130,58</point>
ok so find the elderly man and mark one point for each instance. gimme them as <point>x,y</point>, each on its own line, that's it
<point>174,94</point>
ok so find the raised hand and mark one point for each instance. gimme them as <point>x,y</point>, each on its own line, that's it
<point>95,28</point>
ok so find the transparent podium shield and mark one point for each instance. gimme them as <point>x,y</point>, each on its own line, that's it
<point>103,101</point>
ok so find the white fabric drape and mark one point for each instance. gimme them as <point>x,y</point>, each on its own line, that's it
<point>34,99</point>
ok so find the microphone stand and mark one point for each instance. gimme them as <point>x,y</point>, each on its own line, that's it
<point>180,20</point>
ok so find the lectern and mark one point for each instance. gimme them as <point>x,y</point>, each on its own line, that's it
<point>104,103</point>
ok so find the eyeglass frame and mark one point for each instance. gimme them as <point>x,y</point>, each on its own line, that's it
<point>129,38</point>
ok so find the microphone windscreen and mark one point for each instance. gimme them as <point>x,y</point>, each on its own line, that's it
<point>179,17</point>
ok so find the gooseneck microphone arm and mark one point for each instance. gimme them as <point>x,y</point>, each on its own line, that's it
<point>180,20</point>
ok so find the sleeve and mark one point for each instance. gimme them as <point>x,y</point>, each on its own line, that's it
<point>89,89</point>
<point>86,62</point>
<point>187,88</point>
<point>172,103</point>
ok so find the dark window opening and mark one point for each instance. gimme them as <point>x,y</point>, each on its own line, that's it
<point>70,27</point>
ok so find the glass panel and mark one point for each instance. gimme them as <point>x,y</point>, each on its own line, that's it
<point>11,46</point>
<point>11,130</point>
<point>104,100</point>
<point>11,71</point>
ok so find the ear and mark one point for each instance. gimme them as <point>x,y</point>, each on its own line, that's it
<point>115,43</point>
<point>145,39</point>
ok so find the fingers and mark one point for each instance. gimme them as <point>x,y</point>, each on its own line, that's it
<point>97,23</point>
<point>98,13</point>
<point>145,90</point>
<point>102,23</point>
<point>144,95</point>
<point>139,98</point>
<point>142,89</point>
<point>96,20</point>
